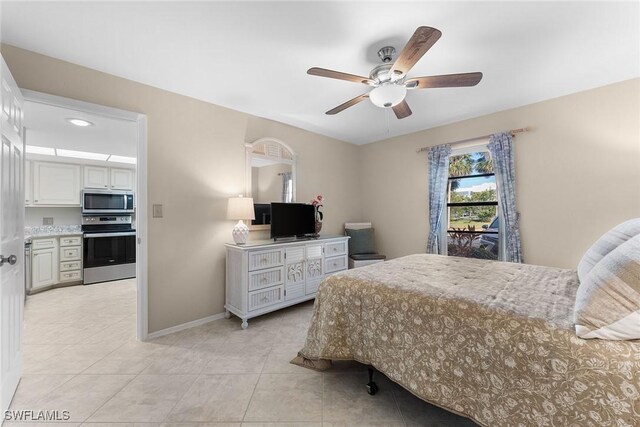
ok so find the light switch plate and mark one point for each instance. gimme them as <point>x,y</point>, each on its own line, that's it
<point>157,211</point>
<point>47,220</point>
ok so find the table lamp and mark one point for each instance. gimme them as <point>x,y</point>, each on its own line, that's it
<point>240,208</point>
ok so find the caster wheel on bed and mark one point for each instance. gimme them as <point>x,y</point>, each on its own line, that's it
<point>372,388</point>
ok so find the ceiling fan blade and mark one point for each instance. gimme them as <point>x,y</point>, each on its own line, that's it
<point>349,103</point>
<point>402,110</point>
<point>449,80</point>
<point>418,45</point>
<point>323,72</point>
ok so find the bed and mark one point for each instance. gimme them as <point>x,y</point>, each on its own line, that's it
<point>488,340</point>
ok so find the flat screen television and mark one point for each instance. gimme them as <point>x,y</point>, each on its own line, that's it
<point>292,219</point>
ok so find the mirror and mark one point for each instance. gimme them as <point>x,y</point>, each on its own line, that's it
<point>271,177</point>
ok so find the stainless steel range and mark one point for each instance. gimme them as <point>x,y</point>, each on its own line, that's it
<point>109,248</point>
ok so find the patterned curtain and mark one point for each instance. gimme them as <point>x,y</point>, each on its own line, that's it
<point>287,190</point>
<point>501,149</point>
<point>438,179</point>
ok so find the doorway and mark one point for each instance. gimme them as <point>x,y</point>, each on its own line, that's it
<point>112,201</point>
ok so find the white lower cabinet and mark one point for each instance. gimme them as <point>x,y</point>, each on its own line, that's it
<point>56,260</point>
<point>266,277</point>
<point>44,264</point>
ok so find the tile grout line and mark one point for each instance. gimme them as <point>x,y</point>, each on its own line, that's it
<point>165,420</point>
<point>109,398</point>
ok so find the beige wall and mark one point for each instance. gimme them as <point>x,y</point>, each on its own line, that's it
<point>196,159</point>
<point>578,173</point>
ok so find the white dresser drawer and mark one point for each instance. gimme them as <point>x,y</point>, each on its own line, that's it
<point>335,264</point>
<point>43,243</point>
<point>335,248</point>
<point>259,260</point>
<point>71,253</point>
<point>71,265</point>
<point>70,276</point>
<point>265,278</point>
<point>266,297</point>
<point>70,241</point>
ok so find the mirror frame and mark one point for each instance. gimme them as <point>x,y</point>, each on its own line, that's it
<point>249,148</point>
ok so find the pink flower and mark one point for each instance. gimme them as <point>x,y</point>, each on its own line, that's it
<point>319,197</point>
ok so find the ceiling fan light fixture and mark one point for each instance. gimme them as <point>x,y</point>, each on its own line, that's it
<point>387,96</point>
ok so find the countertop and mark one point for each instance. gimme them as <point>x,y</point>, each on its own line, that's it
<point>51,231</point>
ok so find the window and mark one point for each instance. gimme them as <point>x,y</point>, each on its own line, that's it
<point>472,205</point>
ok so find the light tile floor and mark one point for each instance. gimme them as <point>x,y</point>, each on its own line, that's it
<point>81,356</point>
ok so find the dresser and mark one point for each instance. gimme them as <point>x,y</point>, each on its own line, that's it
<point>265,276</point>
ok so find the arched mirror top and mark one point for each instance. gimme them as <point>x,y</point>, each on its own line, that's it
<point>271,176</point>
<point>272,149</point>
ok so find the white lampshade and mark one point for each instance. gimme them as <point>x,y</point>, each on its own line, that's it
<point>240,208</point>
<point>388,95</point>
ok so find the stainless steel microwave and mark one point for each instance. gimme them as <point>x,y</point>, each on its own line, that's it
<point>95,201</point>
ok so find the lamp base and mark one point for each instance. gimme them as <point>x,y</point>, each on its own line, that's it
<point>240,233</point>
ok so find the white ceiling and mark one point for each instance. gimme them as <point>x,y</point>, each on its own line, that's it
<point>47,127</point>
<point>253,56</point>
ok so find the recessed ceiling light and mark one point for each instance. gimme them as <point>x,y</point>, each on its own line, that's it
<point>34,149</point>
<point>122,159</point>
<point>80,122</point>
<point>82,155</point>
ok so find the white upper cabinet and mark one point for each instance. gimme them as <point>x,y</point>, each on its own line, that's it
<point>28,184</point>
<point>122,179</point>
<point>56,184</point>
<point>96,177</point>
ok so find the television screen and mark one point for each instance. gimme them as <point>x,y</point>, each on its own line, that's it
<point>292,219</point>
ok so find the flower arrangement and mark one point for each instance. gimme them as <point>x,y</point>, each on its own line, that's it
<point>317,204</point>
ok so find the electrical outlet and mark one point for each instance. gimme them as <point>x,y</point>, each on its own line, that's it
<point>47,220</point>
<point>157,211</point>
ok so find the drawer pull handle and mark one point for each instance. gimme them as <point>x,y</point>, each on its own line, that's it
<point>264,279</point>
<point>263,259</point>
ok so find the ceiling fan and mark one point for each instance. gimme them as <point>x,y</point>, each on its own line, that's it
<point>389,80</point>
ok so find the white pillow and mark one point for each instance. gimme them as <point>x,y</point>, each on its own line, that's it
<point>605,244</point>
<point>608,298</point>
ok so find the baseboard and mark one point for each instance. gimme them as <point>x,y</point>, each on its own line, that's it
<point>184,326</point>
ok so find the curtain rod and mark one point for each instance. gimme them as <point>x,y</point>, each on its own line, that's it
<point>513,132</point>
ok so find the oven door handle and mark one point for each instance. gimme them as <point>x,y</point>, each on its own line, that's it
<point>94,235</point>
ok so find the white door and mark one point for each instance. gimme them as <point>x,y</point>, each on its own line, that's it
<point>43,271</point>
<point>122,179</point>
<point>96,177</point>
<point>11,236</point>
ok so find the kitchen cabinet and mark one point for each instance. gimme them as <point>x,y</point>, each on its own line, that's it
<point>106,177</point>
<point>56,184</point>
<point>55,261</point>
<point>44,264</point>
<point>96,177</point>
<point>28,184</point>
<point>122,179</point>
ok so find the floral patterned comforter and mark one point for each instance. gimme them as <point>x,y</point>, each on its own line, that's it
<point>489,340</point>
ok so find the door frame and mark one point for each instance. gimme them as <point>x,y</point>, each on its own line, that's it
<point>142,295</point>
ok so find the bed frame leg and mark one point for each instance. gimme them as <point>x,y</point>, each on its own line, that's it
<point>372,387</point>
